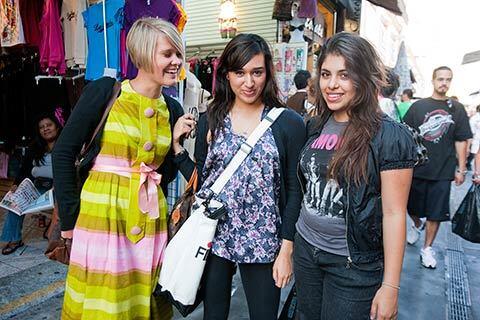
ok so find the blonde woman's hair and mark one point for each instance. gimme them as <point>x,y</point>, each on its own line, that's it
<point>142,40</point>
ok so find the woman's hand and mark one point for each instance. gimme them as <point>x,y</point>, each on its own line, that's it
<point>67,234</point>
<point>385,304</point>
<point>282,267</point>
<point>184,125</point>
<point>476,178</point>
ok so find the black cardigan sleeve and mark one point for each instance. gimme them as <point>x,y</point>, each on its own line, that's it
<point>78,130</point>
<point>183,161</point>
<point>294,136</point>
<point>169,169</point>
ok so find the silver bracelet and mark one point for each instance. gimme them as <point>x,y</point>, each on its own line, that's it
<point>390,285</point>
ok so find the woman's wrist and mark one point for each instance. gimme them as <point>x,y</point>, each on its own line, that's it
<point>177,148</point>
<point>390,285</point>
<point>68,234</point>
<point>287,247</point>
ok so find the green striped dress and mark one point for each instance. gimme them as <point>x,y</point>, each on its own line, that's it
<point>118,248</point>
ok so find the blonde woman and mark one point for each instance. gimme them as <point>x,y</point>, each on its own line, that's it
<point>121,230</point>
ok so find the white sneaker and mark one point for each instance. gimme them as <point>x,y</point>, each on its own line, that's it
<point>427,258</point>
<point>423,222</point>
<point>413,234</point>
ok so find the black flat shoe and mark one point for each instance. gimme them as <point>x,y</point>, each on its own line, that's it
<point>11,247</point>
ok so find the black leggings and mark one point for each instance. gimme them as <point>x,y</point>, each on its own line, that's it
<point>262,295</point>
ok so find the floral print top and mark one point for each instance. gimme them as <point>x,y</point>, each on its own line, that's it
<point>249,232</point>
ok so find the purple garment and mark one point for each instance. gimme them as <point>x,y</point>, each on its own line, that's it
<point>308,9</point>
<point>249,233</point>
<point>136,9</point>
<point>170,91</point>
<point>52,53</point>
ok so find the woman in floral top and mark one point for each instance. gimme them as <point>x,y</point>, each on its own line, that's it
<point>263,196</point>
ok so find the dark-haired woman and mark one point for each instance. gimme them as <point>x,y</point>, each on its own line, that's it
<point>356,169</point>
<point>37,165</point>
<point>263,196</point>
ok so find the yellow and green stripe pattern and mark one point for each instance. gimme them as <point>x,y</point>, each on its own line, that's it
<point>117,250</point>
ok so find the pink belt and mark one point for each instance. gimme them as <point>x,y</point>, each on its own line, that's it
<point>149,181</point>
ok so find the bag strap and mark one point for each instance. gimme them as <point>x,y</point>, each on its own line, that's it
<point>192,183</point>
<point>115,91</point>
<point>245,149</point>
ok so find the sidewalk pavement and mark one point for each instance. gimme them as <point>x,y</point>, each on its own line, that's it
<point>31,286</point>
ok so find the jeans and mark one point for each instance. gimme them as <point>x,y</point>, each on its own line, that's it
<point>263,297</point>
<point>12,228</point>
<point>329,288</point>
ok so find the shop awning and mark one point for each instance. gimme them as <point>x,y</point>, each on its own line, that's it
<point>391,5</point>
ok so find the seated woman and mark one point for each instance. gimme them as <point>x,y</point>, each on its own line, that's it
<point>37,165</point>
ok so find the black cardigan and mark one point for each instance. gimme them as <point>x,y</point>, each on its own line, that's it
<point>290,135</point>
<point>78,130</point>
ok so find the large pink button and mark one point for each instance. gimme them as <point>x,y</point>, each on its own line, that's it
<point>148,146</point>
<point>149,112</point>
<point>135,230</point>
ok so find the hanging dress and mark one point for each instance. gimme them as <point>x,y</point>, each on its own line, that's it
<point>117,249</point>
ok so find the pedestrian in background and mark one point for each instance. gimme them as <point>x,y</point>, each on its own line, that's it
<point>443,124</point>
<point>387,95</point>
<point>121,231</point>
<point>297,100</point>
<point>356,170</point>
<point>263,196</point>
<point>36,165</point>
<point>475,127</point>
<point>311,102</point>
<point>406,102</point>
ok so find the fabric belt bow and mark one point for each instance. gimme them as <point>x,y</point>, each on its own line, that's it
<point>148,191</point>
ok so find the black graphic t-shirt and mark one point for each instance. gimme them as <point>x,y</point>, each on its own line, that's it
<point>322,217</point>
<point>440,123</point>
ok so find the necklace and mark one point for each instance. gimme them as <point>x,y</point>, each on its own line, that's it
<point>242,127</point>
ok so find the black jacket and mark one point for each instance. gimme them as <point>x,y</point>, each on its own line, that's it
<point>392,148</point>
<point>79,128</point>
<point>289,134</point>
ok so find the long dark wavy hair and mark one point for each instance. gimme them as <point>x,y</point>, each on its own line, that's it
<point>366,70</point>
<point>39,146</point>
<point>238,52</point>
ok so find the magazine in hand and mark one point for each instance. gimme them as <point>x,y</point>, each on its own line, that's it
<point>27,199</point>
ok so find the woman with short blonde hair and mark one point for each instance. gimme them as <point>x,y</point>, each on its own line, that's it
<point>119,222</point>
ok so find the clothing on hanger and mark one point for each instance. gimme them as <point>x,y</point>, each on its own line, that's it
<point>94,22</point>
<point>308,9</point>
<point>75,37</point>
<point>136,9</point>
<point>31,13</point>
<point>11,27</point>
<point>21,101</point>
<point>52,53</point>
